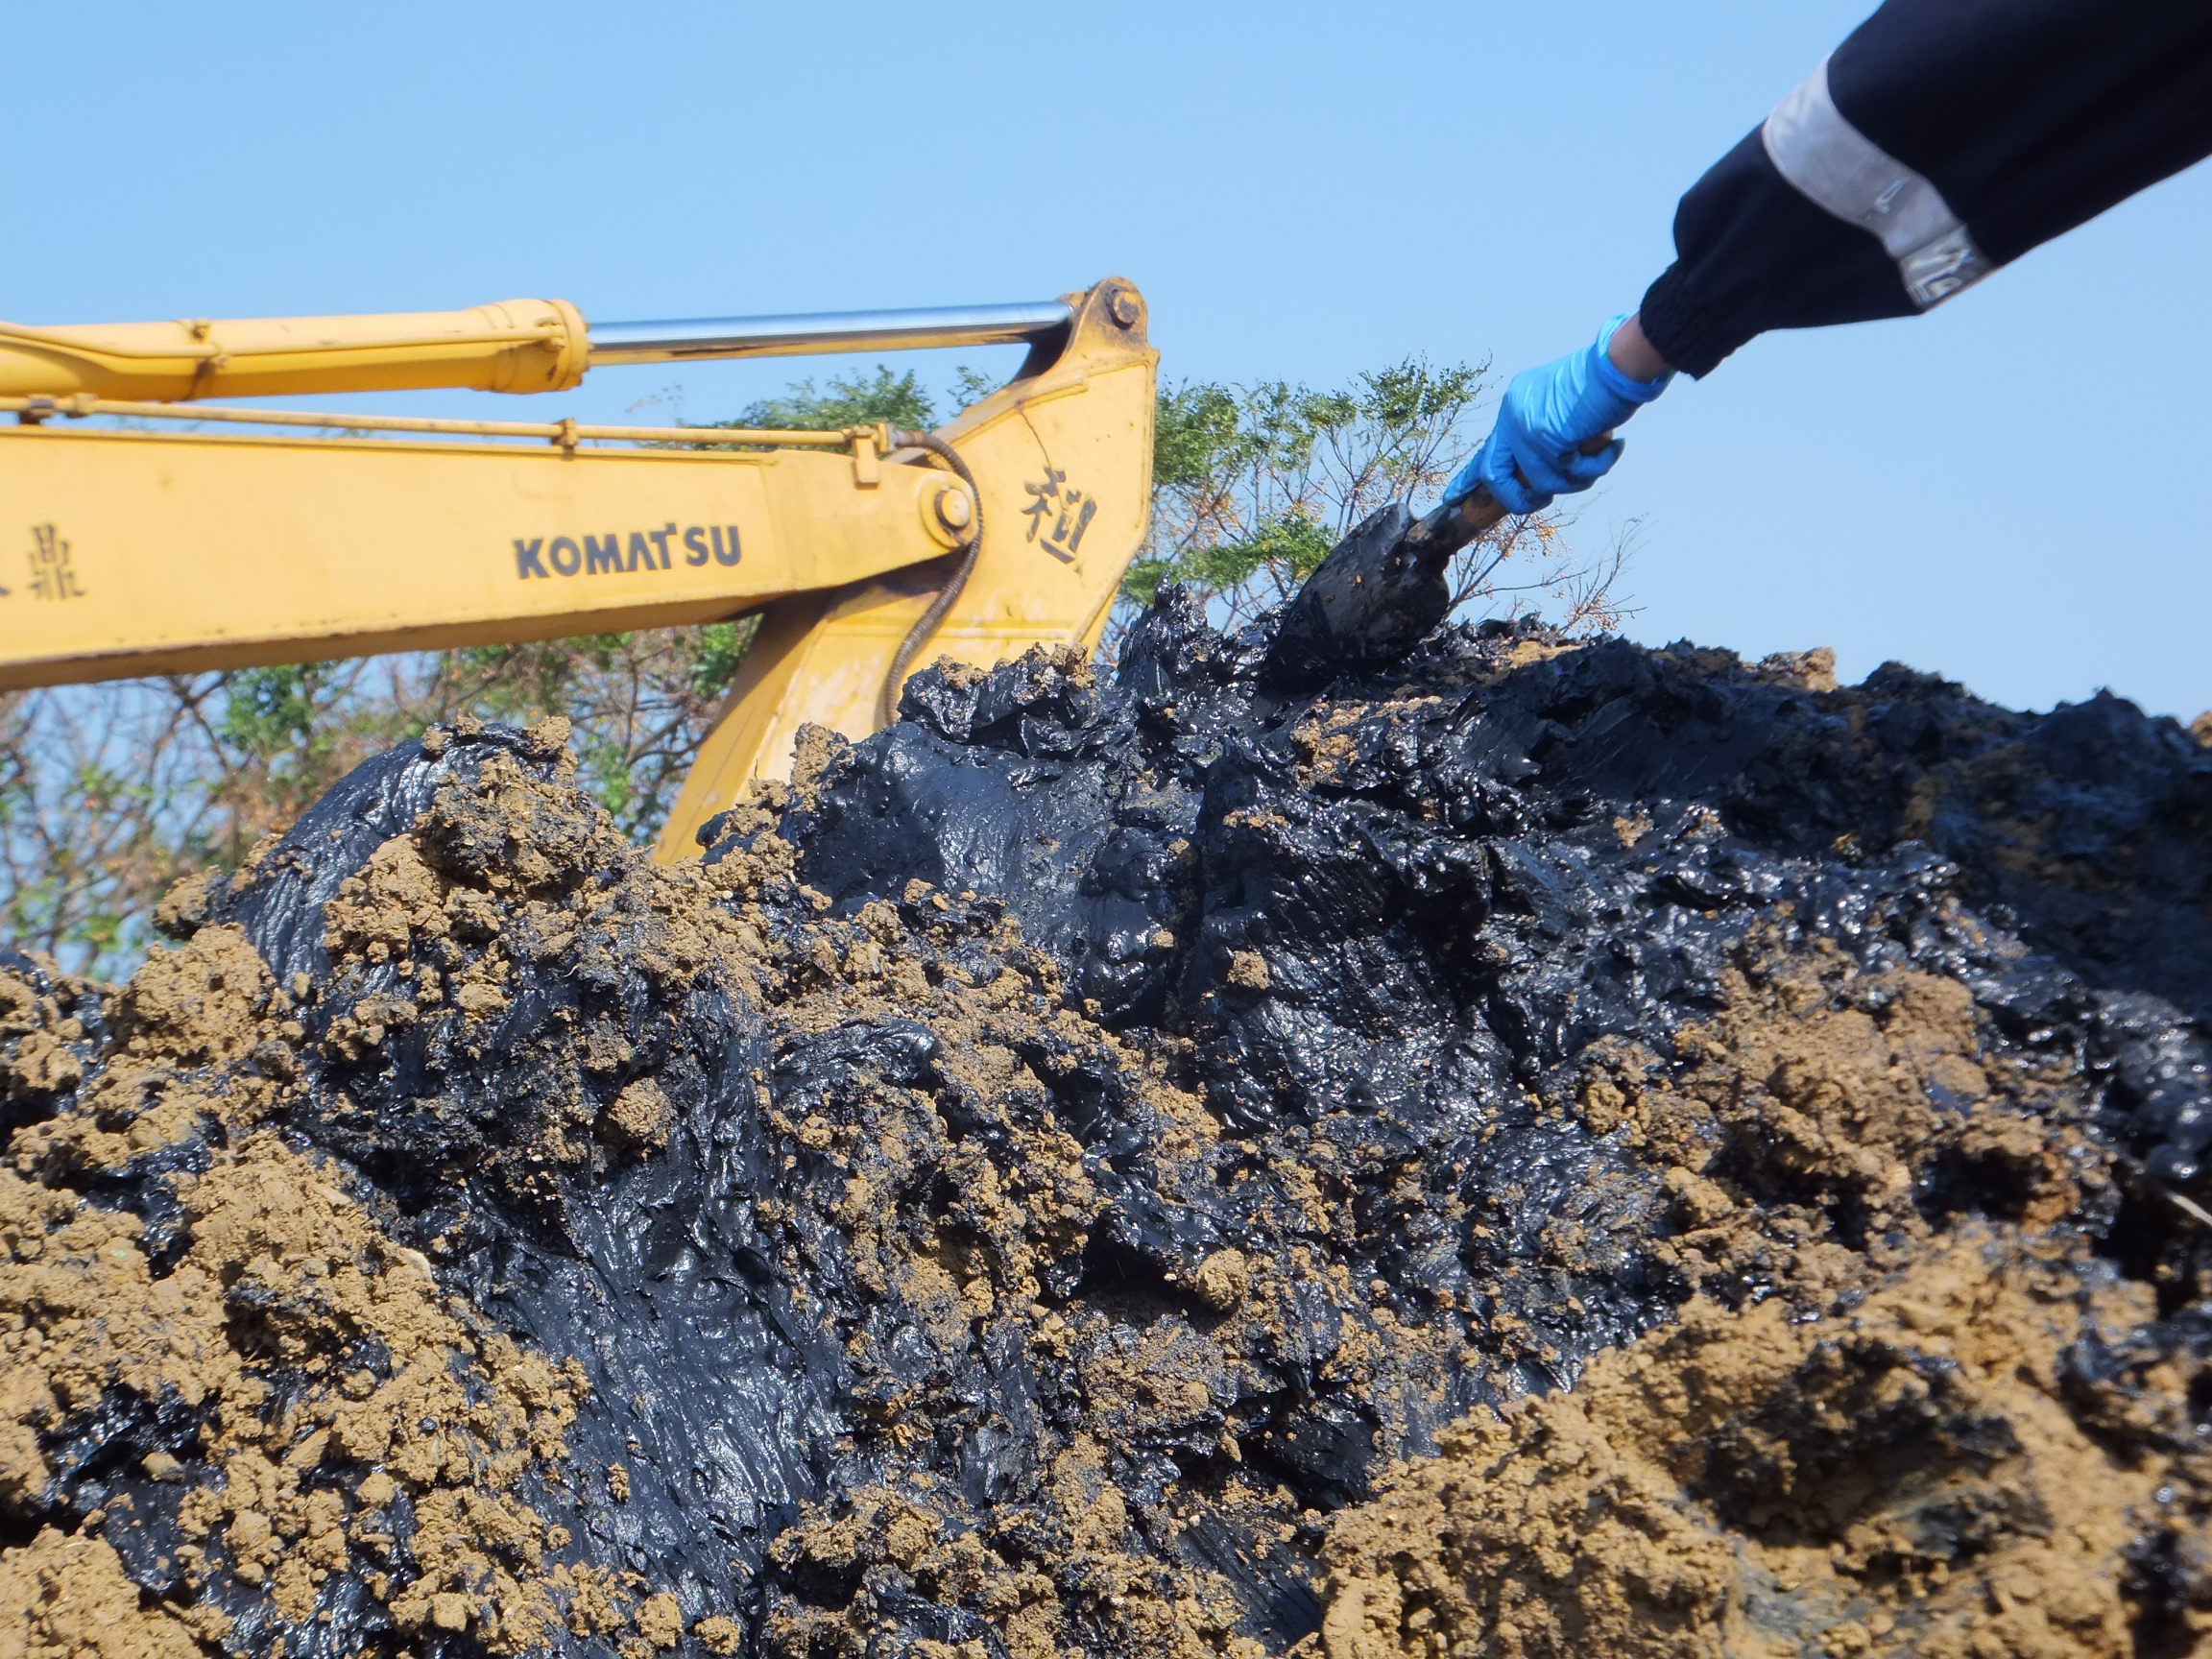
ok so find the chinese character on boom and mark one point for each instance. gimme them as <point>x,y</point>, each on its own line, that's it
<point>1061,515</point>
<point>51,577</point>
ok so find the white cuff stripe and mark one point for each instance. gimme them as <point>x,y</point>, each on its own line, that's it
<point>1838,168</point>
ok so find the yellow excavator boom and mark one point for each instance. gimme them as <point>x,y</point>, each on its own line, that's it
<point>516,346</point>
<point>251,536</point>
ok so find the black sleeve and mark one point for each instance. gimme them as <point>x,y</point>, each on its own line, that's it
<point>2025,117</point>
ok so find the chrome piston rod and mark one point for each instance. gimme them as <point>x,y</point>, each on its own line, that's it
<point>828,332</point>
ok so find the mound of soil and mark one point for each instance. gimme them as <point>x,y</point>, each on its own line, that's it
<point>1550,1149</point>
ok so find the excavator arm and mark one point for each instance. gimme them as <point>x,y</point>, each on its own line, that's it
<point>195,538</point>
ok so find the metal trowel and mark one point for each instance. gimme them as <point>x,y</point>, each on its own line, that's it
<point>1380,591</point>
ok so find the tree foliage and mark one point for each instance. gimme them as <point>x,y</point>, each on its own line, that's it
<point>108,793</point>
<point>851,401</point>
<point>1253,484</point>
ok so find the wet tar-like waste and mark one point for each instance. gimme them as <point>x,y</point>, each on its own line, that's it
<point>1545,1148</point>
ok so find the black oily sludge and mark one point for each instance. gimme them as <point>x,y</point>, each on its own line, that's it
<point>1143,1117</point>
<point>1437,870</point>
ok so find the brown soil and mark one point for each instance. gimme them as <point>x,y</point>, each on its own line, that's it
<point>1891,1449</point>
<point>337,1374</point>
<point>1902,1475</point>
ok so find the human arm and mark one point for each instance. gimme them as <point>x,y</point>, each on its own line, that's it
<point>1632,352</point>
<point>1941,140</point>
<point>1555,423</point>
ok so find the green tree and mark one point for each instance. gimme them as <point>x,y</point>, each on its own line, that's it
<point>1253,484</point>
<point>851,401</point>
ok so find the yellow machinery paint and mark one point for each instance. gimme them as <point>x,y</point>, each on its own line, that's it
<point>516,346</point>
<point>291,537</point>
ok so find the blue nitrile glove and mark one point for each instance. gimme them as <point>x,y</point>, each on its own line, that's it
<point>1547,415</point>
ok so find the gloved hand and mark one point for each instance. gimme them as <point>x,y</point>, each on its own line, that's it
<point>1534,451</point>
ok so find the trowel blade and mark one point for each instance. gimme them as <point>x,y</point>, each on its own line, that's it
<point>1369,602</point>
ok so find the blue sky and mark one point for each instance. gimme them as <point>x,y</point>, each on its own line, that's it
<point>2008,492</point>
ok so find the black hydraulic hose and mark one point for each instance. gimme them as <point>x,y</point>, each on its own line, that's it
<point>948,595</point>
